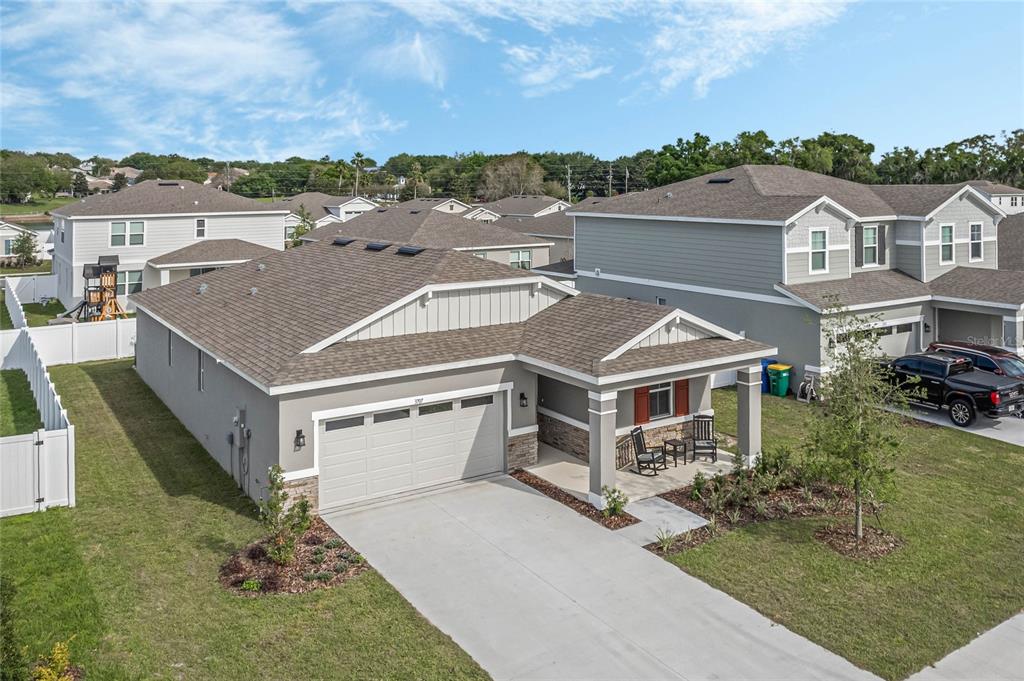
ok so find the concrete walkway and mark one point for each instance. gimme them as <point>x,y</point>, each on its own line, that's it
<point>533,590</point>
<point>996,655</point>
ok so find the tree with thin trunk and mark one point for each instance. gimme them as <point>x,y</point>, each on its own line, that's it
<point>516,174</point>
<point>358,161</point>
<point>24,249</point>
<point>853,439</point>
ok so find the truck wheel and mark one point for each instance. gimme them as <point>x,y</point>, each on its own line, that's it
<point>961,412</point>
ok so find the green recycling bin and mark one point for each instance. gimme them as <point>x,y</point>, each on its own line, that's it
<point>778,378</point>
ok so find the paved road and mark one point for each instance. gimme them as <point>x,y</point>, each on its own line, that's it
<point>1008,429</point>
<point>996,655</point>
<point>532,590</point>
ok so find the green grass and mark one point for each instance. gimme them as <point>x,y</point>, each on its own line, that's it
<point>18,413</point>
<point>37,314</point>
<point>5,316</point>
<point>33,207</point>
<point>958,508</point>
<point>132,570</point>
<point>42,268</point>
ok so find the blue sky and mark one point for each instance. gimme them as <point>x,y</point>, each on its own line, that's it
<point>269,80</point>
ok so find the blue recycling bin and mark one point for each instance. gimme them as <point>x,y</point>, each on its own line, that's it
<point>765,384</point>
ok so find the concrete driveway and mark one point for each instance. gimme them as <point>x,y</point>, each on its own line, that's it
<point>532,590</point>
<point>1007,429</point>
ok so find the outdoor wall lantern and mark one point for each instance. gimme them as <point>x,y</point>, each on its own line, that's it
<point>523,402</point>
<point>300,439</point>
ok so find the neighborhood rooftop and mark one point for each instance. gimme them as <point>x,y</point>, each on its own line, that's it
<point>209,251</point>
<point>315,203</point>
<point>772,193</point>
<point>160,197</point>
<point>520,204</point>
<point>410,222</point>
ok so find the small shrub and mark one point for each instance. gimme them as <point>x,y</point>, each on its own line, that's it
<point>318,555</point>
<point>712,527</point>
<point>717,481</point>
<point>333,543</point>
<point>699,483</point>
<point>774,461</point>
<point>820,505</point>
<point>786,506</point>
<point>615,501</point>
<point>807,493</point>
<point>284,526</point>
<point>351,557</point>
<point>734,516</point>
<point>715,502</point>
<point>760,508</point>
<point>251,585</point>
<point>57,665</point>
<point>308,576</point>
<point>665,538</point>
<point>323,576</point>
<point>340,566</point>
<point>766,483</point>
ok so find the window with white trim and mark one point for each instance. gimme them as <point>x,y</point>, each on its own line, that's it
<point>945,244</point>
<point>660,401</point>
<point>520,259</point>
<point>1013,201</point>
<point>128,233</point>
<point>8,246</point>
<point>871,245</point>
<point>819,250</point>
<point>200,228</point>
<point>129,282</point>
<point>977,251</point>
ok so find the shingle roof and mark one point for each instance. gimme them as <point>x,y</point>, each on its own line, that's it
<point>213,250</point>
<point>976,283</point>
<point>340,285</point>
<point>520,204</point>
<point>560,268</point>
<point>158,197</point>
<point>262,334</point>
<point>1011,242</point>
<point>863,288</point>
<point>774,193</point>
<point>425,227</point>
<point>315,203</point>
<point>990,187</point>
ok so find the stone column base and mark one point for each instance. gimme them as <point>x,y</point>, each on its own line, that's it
<point>563,436</point>
<point>522,451</point>
<point>308,487</point>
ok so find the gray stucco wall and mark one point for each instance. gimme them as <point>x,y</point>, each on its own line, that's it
<point>738,257</point>
<point>209,414</point>
<point>794,330</point>
<point>295,409</point>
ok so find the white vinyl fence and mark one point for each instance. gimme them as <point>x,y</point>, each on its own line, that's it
<point>37,470</point>
<point>84,342</point>
<point>32,288</point>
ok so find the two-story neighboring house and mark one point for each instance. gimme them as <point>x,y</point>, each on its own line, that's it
<point>523,206</point>
<point>766,249</point>
<point>322,209</point>
<point>430,223</point>
<point>150,219</point>
<point>1010,199</point>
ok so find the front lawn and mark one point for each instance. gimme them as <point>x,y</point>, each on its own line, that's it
<point>18,413</point>
<point>34,207</point>
<point>5,316</point>
<point>43,267</point>
<point>958,508</point>
<point>132,570</point>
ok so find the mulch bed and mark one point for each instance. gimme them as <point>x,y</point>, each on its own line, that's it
<point>583,508</point>
<point>875,543</point>
<point>322,559</point>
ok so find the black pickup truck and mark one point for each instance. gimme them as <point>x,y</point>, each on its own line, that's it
<point>950,381</point>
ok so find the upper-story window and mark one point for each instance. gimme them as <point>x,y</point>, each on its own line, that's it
<point>520,259</point>
<point>946,255</point>
<point>1013,200</point>
<point>870,246</point>
<point>819,250</point>
<point>977,246</point>
<point>127,233</point>
<point>200,228</point>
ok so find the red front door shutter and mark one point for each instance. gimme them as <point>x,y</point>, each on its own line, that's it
<point>682,397</point>
<point>641,406</point>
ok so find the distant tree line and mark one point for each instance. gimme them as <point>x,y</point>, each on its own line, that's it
<point>575,175</point>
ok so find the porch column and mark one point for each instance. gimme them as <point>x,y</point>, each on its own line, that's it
<point>602,445</point>
<point>1013,333</point>
<point>700,394</point>
<point>748,416</point>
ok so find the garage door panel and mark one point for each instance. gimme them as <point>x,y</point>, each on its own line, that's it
<point>377,459</point>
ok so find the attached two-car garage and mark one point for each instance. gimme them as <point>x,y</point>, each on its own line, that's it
<point>400,448</point>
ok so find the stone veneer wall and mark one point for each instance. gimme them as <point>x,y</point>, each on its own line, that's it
<point>310,487</point>
<point>522,451</point>
<point>576,441</point>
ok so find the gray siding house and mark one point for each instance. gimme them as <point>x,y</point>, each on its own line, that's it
<point>414,367</point>
<point>764,250</point>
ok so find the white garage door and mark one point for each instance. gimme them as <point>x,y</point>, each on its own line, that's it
<point>387,452</point>
<point>899,340</point>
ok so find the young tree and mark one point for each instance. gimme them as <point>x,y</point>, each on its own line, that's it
<point>853,438</point>
<point>24,249</point>
<point>304,226</point>
<point>284,523</point>
<point>80,186</point>
<point>120,182</point>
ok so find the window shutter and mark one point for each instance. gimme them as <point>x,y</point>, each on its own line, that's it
<point>641,406</point>
<point>858,245</point>
<point>881,244</point>
<point>682,397</point>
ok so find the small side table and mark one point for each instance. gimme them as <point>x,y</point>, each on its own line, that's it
<point>676,445</point>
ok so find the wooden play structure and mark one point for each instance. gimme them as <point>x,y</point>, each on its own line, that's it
<point>99,301</point>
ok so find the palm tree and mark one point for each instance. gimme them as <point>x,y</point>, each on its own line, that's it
<point>358,160</point>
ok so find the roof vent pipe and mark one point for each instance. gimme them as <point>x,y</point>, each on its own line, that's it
<point>202,288</point>
<point>253,291</point>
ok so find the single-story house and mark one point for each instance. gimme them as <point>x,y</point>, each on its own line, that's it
<point>402,368</point>
<point>9,233</point>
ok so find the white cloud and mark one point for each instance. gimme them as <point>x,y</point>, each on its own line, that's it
<point>559,66</point>
<point>470,16</point>
<point>411,57</point>
<point>705,42</point>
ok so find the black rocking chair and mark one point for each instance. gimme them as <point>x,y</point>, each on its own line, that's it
<point>704,441</point>
<point>647,458</point>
